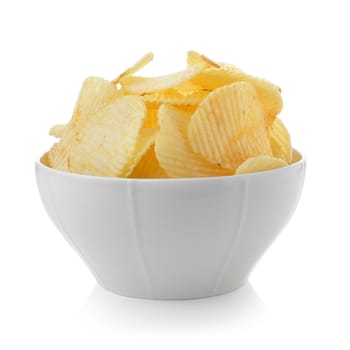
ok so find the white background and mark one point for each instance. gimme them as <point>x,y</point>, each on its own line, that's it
<point>298,296</point>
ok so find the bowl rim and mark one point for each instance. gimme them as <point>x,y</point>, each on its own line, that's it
<point>302,160</point>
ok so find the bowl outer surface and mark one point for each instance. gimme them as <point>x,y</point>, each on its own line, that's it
<point>171,238</point>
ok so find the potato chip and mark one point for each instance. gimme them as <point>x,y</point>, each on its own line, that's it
<point>260,163</point>
<point>145,141</point>
<point>135,67</point>
<point>206,120</point>
<point>187,108</point>
<point>175,97</point>
<point>228,126</point>
<point>296,156</point>
<point>194,57</point>
<point>106,145</point>
<point>151,120</point>
<point>148,167</point>
<point>94,95</point>
<point>52,155</point>
<point>173,150</point>
<point>216,77</point>
<point>57,130</point>
<point>45,159</point>
<point>224,74</point>
<point>270,97</point>
<point>142,85</point>
<point>188,87</point>
<point>280,141</point>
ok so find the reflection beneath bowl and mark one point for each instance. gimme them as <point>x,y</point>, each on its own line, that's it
<point>241,308</point>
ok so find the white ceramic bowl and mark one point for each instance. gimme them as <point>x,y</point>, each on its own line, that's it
<point>171,238</point>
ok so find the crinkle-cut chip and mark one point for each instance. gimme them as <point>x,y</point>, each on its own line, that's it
<point>194,57</point>
<point>229,126</point>
<point>145,141</point>
<point>260,163</point>
<point>296,156</point>
<point>226,74</point>
<point>45,159</point>
<point>215,77</point>
<point>52,154</point>
<point>106,145</point>
<point>270,97</point>
<point>94,95</point>
<point>151,120</point>
<point>143,61</point>
<point>148,167</point>
<point>188,108</point>
<point>143,85</point>
<point>188,88</point>
<point>280,141</point>
<point>57,130</point>
<point>172,96</point>
<point>173,150</point>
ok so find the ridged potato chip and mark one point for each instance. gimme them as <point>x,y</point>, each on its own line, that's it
<point>45,159</point>
<point>176,97</point>
<point>144,143</point>
<point>280,141</point>
<point>94,95</point>
<point>260,163</point>
<point>270,97</point>
<point>296,156</point>
<point>148,167</point>
<point>143,85</point>
<point>229,126</point>
<point>105,146</point>
<point>151,120</point>
<point>194,57</point>
<point>206,120</point>
<point>215,77</point>
<point>224,74</point>
<point>173,150</point>
<point>57,130</point>
<point>144,60</point>
<point>51,155</point>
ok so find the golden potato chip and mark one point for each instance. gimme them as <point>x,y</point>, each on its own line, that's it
<point>135,67</point>
<point>229,126</point>
<point>225,74</point>
<point>206,120</point>
<point>188,87</point>
<point>148,167</point>
<point>106,145</point>
<point>151,120</point>
<point>260,163</point>
<point>145,141</point>
<point>173,151</point>
<point>194,57</point>
<point>175,97</point>
<point>187,108</point>
<point>143,85</point>
<point>94,95</point>
<point>296,156</point>
<point>57,130</point>
<point>216,77</point>
<point>45,159</point>
<point>52,155</point>
<point>270,97</point>
<point>280,141</point>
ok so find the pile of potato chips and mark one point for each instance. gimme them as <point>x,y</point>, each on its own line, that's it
<point>211,119</point>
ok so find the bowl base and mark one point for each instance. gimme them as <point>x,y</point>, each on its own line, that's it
<point>174,297</point>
